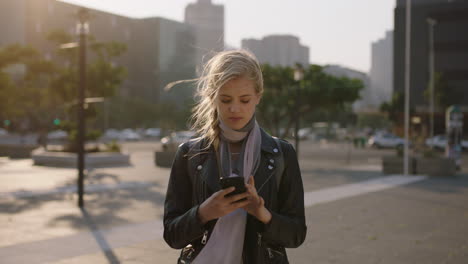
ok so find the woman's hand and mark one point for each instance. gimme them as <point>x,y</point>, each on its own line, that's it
<point>256,207</point>
<point>218,205</point>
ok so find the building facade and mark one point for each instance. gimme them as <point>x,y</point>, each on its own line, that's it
<point>158,49</point>
<point>381,71</point>
<point>207,20</point>
<point>278,50</point>
<point>450,49</point>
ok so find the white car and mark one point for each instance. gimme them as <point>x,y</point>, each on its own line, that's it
<point>57,135</point>
<point>438,142</point>
<point>3,132</point>
<point>129,135</point>
<point>112,134</point>
<point>464,144</point>
<point>304,133</point>
<point>153,132</point>
<point>386,141</point>
<point>172,142</point>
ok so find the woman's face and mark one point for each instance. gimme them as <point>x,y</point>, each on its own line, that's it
<point>236,102</point>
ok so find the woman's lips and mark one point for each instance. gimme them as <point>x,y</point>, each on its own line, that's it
<point>234,119</point>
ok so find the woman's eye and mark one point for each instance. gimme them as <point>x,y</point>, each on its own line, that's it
<point>245,102</point>
<point>225,101</point>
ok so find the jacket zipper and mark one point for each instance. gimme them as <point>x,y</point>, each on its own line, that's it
<point>205,237</point>
<point>269,253</point>
<point>276,251</point>
<point>259,239</point>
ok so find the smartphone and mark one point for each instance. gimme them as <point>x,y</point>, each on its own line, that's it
<point>236,181</point>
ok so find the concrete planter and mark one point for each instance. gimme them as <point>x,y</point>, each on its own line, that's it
<point>17,151</point>
<point>437,166</point>
<point>394,165</point>
<point>164,158</point>
<point>92,160</point>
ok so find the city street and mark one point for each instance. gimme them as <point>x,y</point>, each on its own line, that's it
<point>354,213</point>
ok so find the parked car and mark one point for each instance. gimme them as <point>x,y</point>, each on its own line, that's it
<point>111,134</point>
<point>152,132</point>
<point>386,140</point>
<point>3,132</point>
<point>172,142</point>
<point>438,142</point>
<point>465,144</point>
<point>129,135</point>
<point>304,133</point>
<point>57,135</point>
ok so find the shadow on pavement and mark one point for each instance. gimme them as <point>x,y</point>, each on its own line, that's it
<point>100,239</point>
<point>108,207</point>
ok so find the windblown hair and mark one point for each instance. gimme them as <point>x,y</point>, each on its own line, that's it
<point>220,69</point>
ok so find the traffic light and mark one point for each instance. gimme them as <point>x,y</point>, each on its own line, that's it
<point>7,122</point>
<point>57,121</point>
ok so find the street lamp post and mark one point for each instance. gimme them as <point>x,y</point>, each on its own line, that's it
<point>82,30</point>
<point>407,85</point>
<point>431,23</point>
<point>298,76</point>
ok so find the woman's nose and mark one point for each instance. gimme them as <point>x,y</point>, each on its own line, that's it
<point>233,109</point>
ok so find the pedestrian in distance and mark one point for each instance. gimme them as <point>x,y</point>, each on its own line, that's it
<point>235,193</point>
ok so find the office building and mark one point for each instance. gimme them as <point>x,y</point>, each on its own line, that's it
<point>278,50</point>
<point>207,20</point>
<point>381,71</point>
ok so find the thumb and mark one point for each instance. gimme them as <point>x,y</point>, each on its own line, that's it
<point>252,181</point>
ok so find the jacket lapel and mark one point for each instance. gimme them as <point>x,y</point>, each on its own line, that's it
<point>266,167</point>
<point>209,167</point>
<point>210,173</point>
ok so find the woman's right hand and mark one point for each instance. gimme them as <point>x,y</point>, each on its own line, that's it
<point>218,205</point>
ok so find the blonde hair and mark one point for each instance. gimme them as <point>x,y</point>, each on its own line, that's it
<point>220,69</point>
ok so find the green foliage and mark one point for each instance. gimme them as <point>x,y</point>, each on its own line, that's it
<point>124,112</point>
<point>372,120</point>
<point>113,146</point>
<point>45,90</point>
<point>284,98</point>
<point>445,95</point>
<point>395,107</point>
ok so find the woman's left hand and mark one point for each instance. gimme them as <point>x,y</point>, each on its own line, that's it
<point>256,207</point>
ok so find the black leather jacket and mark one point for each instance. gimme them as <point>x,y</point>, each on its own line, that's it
<point>193,179</point>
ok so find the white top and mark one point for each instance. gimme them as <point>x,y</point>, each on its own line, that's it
<point>226,242</point>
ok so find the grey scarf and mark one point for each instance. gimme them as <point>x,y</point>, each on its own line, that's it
<point>249,158</point>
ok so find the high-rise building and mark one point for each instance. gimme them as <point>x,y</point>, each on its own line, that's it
<point>279,50</point>
<point>450,49</point>
<point>158,49</point>
<point>381,72</point>
<point>207,20</point>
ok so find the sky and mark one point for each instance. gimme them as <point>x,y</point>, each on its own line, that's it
<point>336,31</point>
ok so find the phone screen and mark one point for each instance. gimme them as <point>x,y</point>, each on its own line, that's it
<point>236,181</point>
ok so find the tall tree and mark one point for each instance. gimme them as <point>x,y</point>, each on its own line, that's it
<point>285,99</point>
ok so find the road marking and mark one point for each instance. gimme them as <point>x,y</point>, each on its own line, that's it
<point>354,189</point>
<point>94,241</point>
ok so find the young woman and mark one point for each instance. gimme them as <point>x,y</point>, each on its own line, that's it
<point>200,217</point>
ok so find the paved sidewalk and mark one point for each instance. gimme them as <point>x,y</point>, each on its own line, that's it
<point>354,215</point>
